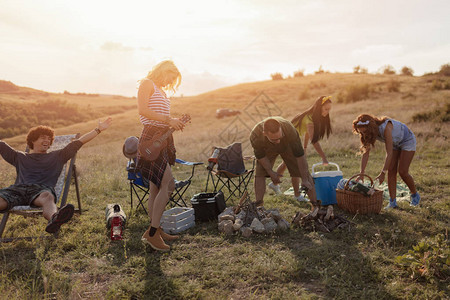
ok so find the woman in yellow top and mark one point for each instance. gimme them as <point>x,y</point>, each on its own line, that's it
<point>313,124</point>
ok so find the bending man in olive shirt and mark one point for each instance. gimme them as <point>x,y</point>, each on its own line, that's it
<point>277,136</point>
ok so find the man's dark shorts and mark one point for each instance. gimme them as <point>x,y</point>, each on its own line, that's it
<point>23,194</point>
<point>288,158</point>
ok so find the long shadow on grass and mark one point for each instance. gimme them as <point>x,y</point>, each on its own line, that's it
<point>335,262</point>
<point>325,264</point>
<point>19,265</point>
<point>147,280</point>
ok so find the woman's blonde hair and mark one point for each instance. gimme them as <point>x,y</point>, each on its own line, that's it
<point>166,75</point>
<point>371,124</point>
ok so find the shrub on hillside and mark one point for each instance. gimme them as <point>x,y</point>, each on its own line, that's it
<point>439,84</point>
<point>18,118</point>
<point>304,94</point>
<point>407,71</point>
<point>299,73</point>
<point>359,70</point>
<point>445,70</point>
<point>388,70</point>
<point>81,94</point>
<point>393,86</point>
<point>438,115</point>
<point>354,93</point>
<point>276,76</point>
<point>320,71</point>
<point>358,92</point>
<point>436,85</point>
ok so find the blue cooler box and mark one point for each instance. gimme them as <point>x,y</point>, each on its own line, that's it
<point>325,183</point>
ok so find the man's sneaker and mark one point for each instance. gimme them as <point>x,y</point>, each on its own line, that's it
<point>415,199</point>
<point>60,217</point>
<point>301,198</point>
<point>275,187</point>
<point>392,204</point>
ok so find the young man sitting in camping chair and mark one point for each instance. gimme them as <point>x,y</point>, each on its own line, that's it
<point>38,172</point>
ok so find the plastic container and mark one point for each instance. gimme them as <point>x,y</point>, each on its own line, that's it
<point>325,183</point>
<point>208,206</point>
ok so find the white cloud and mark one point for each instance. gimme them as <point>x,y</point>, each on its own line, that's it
<point>112,46</point>
<point>193,84</point>
<point>374,57</point>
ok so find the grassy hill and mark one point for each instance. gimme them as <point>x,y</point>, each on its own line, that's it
<point>23,108</point>
<point>203,264</point>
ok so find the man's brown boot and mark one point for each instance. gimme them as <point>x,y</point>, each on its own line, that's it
<point>156,241</point>
<point>166,236</point>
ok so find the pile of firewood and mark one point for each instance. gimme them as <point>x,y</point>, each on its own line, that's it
<point>321,219</point>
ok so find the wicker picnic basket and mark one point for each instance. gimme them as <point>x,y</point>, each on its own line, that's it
<point>357,203</point>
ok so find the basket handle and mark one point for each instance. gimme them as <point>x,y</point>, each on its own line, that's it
<point>346,184</point>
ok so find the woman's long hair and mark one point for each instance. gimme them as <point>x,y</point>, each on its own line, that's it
<point>322,124</point>
<point>369,137</point>
<point>164,72</point>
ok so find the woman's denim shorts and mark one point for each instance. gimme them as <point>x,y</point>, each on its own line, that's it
<point>408,143</point>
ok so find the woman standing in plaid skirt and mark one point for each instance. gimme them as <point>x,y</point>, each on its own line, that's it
<point>154,111</point>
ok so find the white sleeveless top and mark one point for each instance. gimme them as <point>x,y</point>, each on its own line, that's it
<point>399,131</point>
<point>160,104</point>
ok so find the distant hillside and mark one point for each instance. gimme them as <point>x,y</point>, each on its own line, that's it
<point>296,94</point>
<point>22,108</point>
<point>408,98</point>
<point>7,87</point>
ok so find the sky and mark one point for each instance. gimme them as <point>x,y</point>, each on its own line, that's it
<point>105,47</point>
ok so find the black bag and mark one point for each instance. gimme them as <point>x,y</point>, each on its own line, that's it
<point>207,206</point>
<point>230,159</point>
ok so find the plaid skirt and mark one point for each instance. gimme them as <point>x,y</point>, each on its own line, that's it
<point>154,170</point>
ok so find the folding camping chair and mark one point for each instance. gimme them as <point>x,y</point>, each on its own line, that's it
<point>230,173</point>
<point>61,188</point>
<point>139,186</point>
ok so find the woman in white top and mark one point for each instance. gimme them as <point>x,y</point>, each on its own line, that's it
<point>400,145</point>
<point>154,111</point>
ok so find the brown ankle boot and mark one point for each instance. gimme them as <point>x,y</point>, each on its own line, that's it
<point>156,241</point>
<point>166,236</point>
<point>146,235</point>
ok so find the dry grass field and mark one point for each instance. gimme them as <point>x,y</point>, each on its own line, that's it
<point>361,263</point>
